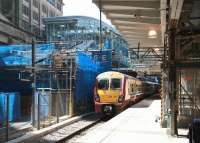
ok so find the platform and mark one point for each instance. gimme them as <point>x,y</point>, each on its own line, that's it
<point>136,124</point>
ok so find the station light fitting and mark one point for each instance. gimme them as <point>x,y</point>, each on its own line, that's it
<point>156,49</point>
<point>152,34</point>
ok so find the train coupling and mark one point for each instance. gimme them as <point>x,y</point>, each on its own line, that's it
<point>107,109</point>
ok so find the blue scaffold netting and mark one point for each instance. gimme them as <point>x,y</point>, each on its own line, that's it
<point>16,83</point>
<point>18,55</point>
<point>89,65</point>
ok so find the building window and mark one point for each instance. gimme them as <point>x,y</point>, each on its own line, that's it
<point>25,10</point>
<point>44,9</point>
<point>26,26</point>
<point>36,3</point>
<point>35,16</point>
<point>36,30</point>
<point>59,6</point>
<point>52,2</point>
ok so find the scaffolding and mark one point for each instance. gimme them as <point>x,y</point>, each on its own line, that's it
<point>57,81</point>
<point>181,82</point>
<point>55,88</point>
<point>65,87</point>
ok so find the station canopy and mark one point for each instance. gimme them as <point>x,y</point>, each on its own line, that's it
<point>139,21</point>
<point>144,23</point>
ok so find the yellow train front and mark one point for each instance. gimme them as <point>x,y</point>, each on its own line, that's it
<point>115,91</point>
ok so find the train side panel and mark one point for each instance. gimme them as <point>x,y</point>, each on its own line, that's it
<point>127,91</point>
<point>130,90</point>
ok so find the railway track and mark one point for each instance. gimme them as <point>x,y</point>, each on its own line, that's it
<point>77,137</point>
<point>13,133</point>
<point>69,131</point>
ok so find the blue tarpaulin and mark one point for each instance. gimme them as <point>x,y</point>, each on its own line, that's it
<point>14,107</point>
<point>89,65</point>
<point>17,55</point>
<point>44,103</point>
<point>20,55</point>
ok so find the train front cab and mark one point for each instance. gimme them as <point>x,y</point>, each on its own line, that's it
<point>109,95</point>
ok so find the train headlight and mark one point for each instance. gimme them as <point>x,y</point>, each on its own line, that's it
<point>97,98</point>
<point>120,99</point>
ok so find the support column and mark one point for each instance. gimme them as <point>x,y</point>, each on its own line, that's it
<point>7,117</point>
<point>71,95</point>
<point>57,96</point>
<point>138,52</point>
<point>164,88</point>
<point>33,83</point>
<point>38,111</point>
<point>172,82</point>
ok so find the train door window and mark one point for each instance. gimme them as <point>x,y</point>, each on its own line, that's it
<point>135,88</point>
<point>103,84</point>
<point>115,83</point>
<point>132,87</point>
<point>140,88</point>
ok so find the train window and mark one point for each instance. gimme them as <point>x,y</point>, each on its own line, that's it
<point>115,83</point>
<point>103,84</point>
<point>132,87</point>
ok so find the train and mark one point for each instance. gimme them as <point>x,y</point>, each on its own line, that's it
<point>115,91</point>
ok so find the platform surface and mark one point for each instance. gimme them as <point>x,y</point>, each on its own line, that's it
<point>135,125</point>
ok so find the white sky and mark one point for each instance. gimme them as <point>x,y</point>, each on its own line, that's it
<point>82,8</point>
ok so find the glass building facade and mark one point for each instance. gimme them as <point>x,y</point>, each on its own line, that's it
<point>83,32</point>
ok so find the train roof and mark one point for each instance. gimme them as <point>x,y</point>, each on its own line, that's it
<point>126,71</point>
<point>113,74</point>
<point>110,74</point>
